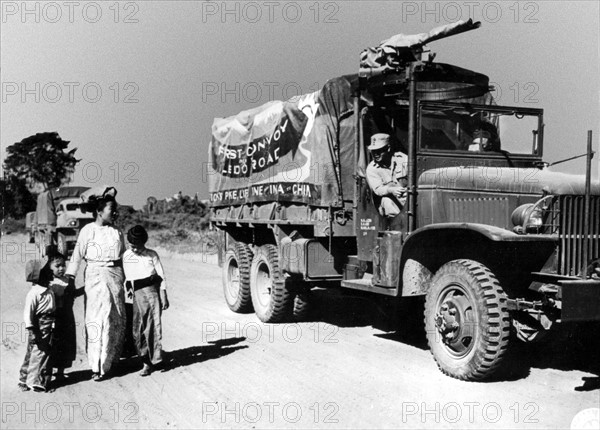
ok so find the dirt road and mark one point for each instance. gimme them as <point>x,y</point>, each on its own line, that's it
<point>338,371</point>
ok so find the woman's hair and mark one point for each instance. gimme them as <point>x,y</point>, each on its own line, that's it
<point>97,204</point>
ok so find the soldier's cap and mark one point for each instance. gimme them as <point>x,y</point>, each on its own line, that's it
<point>379,141</point>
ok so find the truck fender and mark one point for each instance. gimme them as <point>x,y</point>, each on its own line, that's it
<point>428,248</point>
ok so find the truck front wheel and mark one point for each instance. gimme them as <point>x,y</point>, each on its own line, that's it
<point>236,277</point>
<point>271,298</point>
<point>467,321</point>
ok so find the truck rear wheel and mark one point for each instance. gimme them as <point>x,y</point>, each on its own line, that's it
<point>271,299</point>
<point>467,321</point>
<point>236,277</point>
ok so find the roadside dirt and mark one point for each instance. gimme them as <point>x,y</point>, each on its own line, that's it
<point>349,367</point>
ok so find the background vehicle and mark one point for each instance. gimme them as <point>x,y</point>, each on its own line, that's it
<point>497,242</point>
<point>60,218</point>
<point>31,225</point>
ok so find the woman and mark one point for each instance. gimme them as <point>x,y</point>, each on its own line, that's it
<point>102,245</point>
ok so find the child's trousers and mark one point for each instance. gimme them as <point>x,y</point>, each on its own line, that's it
<point>36,371</point>
<point>147,330</point>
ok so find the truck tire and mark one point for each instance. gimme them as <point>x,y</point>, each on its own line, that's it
<point>236,277</point>
<point>61,245</point>
<point>466,320</point>
<point>271,298</point>
<point>302,306</point>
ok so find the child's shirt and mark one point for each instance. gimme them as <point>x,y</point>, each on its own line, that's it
<point>142,265</point>
<point>58,285</point>
<point>39,300</point>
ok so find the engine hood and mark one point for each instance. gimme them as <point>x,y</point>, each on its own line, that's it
<point>506,179</point>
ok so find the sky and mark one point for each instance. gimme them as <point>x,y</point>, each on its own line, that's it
<point>135,85</point>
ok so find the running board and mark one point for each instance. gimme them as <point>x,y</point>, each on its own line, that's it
<point>365,285</point>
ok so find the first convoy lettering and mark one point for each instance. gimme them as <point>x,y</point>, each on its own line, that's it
<point>241,161</point>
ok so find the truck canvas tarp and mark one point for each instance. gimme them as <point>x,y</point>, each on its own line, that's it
<point>302,150</point>
<point>285,151</point>
<point>47,201</point>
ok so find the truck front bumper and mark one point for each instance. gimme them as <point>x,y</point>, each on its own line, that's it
<point>580,300</point>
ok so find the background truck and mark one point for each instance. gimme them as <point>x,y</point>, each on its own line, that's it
<point>500,246</point>
<point>31,225</point>
<point>59,218</point>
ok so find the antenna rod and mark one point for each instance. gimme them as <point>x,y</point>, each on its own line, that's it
<point>586,210</point>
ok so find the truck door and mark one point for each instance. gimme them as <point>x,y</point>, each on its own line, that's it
<point>370,224</point>
<point>380,238</point>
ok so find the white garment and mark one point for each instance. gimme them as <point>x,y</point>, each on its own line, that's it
<point>142,265</point>
<point>97,244</point>
<point>58,286</point>
<point>39,300</point>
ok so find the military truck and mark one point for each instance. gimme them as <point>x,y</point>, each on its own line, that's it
<point>501,246</point>
<point>60,218</point>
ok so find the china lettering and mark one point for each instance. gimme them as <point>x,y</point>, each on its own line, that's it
<point>280,189</point>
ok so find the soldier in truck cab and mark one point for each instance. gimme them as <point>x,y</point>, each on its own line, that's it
<point>485,137</point>
<point>387,176</point>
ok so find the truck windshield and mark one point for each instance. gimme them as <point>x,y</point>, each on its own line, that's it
<point>480,129</point>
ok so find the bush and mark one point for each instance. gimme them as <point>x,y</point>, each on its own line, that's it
<point>181,225</point>
<point>10,225</point>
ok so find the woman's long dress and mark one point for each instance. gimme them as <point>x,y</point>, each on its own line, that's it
<point>102,248</point>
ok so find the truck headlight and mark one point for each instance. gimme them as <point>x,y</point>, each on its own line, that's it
<point>534,220</point>
<point>528,218</point>
<point>518,215</point>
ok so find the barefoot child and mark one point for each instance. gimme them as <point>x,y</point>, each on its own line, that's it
<point>144,274</point>
<point>64,346</point>
<point>39,321</point>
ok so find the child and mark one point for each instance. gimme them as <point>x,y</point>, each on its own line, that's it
<point>39,321</point>
<point>64,346</point>
<point>144,274</point>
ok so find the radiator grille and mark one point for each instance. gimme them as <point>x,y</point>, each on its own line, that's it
<point>566,218</point>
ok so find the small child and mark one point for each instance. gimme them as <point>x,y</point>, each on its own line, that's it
<point>39,310</point>
<point>64,344</point>
<point>145,276</point>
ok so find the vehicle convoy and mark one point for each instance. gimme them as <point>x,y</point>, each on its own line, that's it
<point>60,218</point>
<point>500,246</point>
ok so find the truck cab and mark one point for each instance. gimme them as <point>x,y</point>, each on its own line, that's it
<point>70,219</point>
<point>479,151</point>
<point>59,219</point>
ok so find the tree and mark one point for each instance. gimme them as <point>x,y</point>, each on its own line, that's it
<point>16,200</point>
<point>41,160</point>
